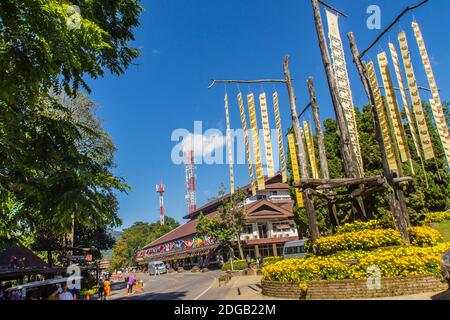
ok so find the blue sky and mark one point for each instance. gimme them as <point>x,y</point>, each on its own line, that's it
<point>185,43</point>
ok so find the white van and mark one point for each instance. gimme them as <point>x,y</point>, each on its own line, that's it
<point>294,249</point>
<point>159,265</point>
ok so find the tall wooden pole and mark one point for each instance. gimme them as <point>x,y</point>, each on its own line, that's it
<point>322,151</point>
<point>397,201</point>
<point>348,155</point>
<point>309,205</point>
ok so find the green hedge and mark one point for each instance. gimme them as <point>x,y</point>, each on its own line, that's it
<point>237,264</point>
<point>271,260</point>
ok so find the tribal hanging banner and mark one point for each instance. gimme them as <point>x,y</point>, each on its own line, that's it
<point>416,101</point>
<point>295,169</point>
<point>379,106</point>
<point>247,144</point>
<point>229,144</point>
<point>311,152</point>
<point>401,85</point>
<point>343,86</point>
<point>266,131</point>
<point>393,112</point>
<point>280,137</point>
<point>255,139</point>
<point>440,125</point>
<point>438,113</point>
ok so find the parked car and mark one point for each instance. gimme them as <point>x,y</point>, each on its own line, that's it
<point>294,249</point>
<point>160,266</point>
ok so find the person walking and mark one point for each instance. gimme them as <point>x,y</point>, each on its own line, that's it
<point>249,261</point>
<point>107,288</point>
<point>101,288</point>
<point>126,278</point>
<point>130,284</point>
<point>260,262</point>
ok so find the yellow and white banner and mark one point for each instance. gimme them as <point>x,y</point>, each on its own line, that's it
<point>401,85</point>
<point>379,106</point>
<point>295,169</point>
<point>280,137</point>
<point>229,144</point>
<point>416,101</point>
<point>247,144</point>
<point>440,125</point>
<point>343,86</point>
<point>260,181</point>
<point>266,132</point>
<point>393,112</point>
<point>438,113</point>
<point>311,151</point>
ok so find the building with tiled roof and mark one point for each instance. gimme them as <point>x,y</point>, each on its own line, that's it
<point>269,224</point>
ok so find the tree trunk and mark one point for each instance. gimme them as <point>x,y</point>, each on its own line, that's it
<point>241,253</point>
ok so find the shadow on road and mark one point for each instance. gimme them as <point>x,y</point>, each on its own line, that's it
<point>442,296</point>
<point>176,295</point>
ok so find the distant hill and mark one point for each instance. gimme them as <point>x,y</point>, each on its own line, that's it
<point>117,235</point>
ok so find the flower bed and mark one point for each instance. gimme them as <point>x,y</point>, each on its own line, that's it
<point>358,240</point>
<point>360,226</point>
<point>436,217</point>
<point>424,236</point>
<point>271,260</point>
<point>392,262</point>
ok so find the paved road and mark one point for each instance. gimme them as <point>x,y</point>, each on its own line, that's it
<point>175,286</point>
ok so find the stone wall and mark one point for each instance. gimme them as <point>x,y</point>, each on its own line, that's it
<point>356,289</point>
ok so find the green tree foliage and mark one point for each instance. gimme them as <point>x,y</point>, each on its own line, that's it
<point>135,238</point>
<point>228,225</point>
<point>55,159</point>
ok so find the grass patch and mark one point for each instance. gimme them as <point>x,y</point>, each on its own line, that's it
<point>444,229</point>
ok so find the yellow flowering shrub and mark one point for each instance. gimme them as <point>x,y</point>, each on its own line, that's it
<point>424,236</point>
<point>360,226</point>
<point>401,261</point>
<point>357,240</point>
<point>436,217</point>
<point>271,260</point>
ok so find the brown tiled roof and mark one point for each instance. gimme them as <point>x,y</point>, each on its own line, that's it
<point>18,257</point>
<point>273,183</point>
<point>189,228</point>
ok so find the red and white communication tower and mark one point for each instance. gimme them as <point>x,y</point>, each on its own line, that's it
<point>161,188</point>
<point>190,180</point>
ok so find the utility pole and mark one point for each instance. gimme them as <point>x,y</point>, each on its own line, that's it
<point>309,205</point>
<point>322,151</point>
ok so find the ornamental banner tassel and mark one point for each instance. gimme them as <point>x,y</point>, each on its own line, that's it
<point>229,144</point>
<point>401,85</point>
<point>295,169</point>
<point>388,145</point>
<point>280,137</point>
<point>311,152</point>
<point>343,86</point>
<point>440,125</point>
<point>266,131</point>
<point>393,112</point>
<point>438,113</point>
<point>414,94</point>
<point>261,183</point>
<point>247,144</point>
